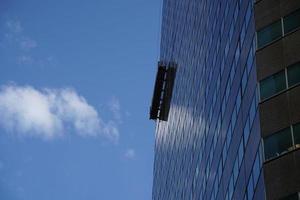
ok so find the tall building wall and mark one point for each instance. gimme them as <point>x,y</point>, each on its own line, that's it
<point>278,73</point>
<point>210,145</point>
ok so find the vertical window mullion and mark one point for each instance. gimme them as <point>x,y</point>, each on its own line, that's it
<point>282,26</point>
<point>258,91</point>
<point>292,132</point>
<point>263,149</point>
<point>286,78</point>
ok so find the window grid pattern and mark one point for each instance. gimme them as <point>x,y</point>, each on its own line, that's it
<point>290,76</point>
<point>291,142</point>
<point>215,79</point>
<point>278,29</point>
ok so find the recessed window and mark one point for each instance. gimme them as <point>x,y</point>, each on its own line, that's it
<point>269,34</point>
<point>296,130</point>
<point>278,143</point>
<point>293,74</point>
<point>272,85</point>
<point>291,22</point>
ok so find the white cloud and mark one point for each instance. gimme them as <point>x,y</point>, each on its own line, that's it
<point>23,44</point>
<point>14,26</point>
<point>130,154</point>
<point>27,44</point>
<point>25,59</point>
<point>50,113</point>
<point>115,108</point>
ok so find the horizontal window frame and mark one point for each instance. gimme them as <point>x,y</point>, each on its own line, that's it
<point>284,71</point>
<point>285,17</point>
<point>288,87</point>
<point>291,149</point>
<point>297,64</point>
<point>283,33</point>
<point>280,132</point>
<point>275,39</point>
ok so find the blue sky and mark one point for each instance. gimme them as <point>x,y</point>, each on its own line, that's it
<point>76,82</point>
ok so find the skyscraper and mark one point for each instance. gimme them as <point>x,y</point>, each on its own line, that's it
<point>227,101</point>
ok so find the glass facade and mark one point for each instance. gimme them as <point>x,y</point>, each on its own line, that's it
<point>210,146</point>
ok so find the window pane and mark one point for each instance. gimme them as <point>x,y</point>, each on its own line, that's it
<point>269,34</point>
<point>250,190</point>
<point>246,132</point>
<point>236,170</point>
<point>291,22</point>
<point>256,169</point>
<point>241,152</point>
<point>244,81</point>
<point>272,85</point>
<point>278,143</point>
<point>294,74</point>
<point>296,129</point>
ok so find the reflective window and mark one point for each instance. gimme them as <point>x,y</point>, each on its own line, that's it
<point>250,190</point>
<point>227,91</point>
<point>293,74</point>
<point>278,143</point>
<point>237,53</point>
<point>231,187</point>
<point>248,14</point>
<point>291,22</point>
<point>246,132</point>
<point>252,111</point>
<point>222,65</point>
<point>220,172</point>
<point>229,136</point>
<point>269,34</point>
<point>236,12</point>
<point>238,101</point>
<point>256,169</point>
<point>244,81</point>
<point>241,152</point>
<point>243,33</point>
<point>231,31</point>
<point>296,130</point>
<point>249,61</point>
<point>236,170</point>
<point>224,154</point>
<point>226,49</point>
<point>233,120</point>
<point>272,85</point>
<point>223,107</point>
<point>232,72</point>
